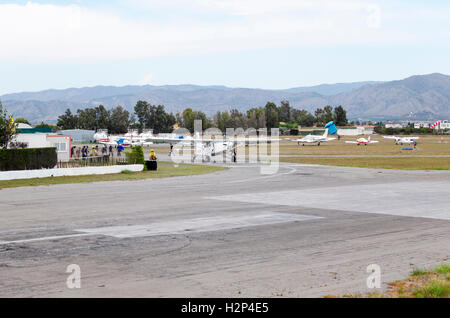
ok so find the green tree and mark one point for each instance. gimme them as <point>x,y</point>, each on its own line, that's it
<point>7,127</point>
<point>324,115</point>
<point>141,110</point>
<point>285,112</point>
<point>102,117</point>
<point>87,118</point>
<point>221,120</point>
<point>43,125</point>
<point>238,120</point>
<point>340,116</point>
<point>119,120</point>
<point>304,118</point>
<point>67,120</point>
<point>163,121</point>
<point>271,114</point>
<point>22,120</point>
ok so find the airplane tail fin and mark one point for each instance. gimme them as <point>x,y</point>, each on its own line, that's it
<point>369,138</point>
<point>325,134</point>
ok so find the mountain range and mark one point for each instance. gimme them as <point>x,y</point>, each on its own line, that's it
<point>419,97</point>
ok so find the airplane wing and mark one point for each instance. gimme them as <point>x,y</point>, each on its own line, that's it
<point>373,141</point>
<point>170,139</point>
<point>187,140</point>
<point>330,138</point>
<point>351,142</point>
<point>390,137</point>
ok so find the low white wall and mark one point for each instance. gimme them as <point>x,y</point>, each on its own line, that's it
<point>60,172</point>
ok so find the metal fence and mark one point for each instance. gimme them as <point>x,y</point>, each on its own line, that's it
<point>93,161</point>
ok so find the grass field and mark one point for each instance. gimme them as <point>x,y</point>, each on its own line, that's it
<point>165,169</point>
<point>371,156</point>
<point>379,163</point>
<point>422,283</point>
<point>427,145</point>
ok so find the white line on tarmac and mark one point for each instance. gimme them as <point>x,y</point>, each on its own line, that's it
<point>47,238</point>
<point>206,224</point>
<point>185,226</point>
<point>264,177</point>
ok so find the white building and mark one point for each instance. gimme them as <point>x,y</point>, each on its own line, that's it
<point>355,131</point>
<point>443,125</point>
<point>422,124</point>
<point>393,125</point>
<point>62,143</point>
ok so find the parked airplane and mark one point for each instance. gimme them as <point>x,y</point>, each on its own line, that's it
<point>362,141</point>
<point>314,139</point>
<point>207,147</point>
<point>114,140</point>
<point>130,139</point>
<point>402,140</point>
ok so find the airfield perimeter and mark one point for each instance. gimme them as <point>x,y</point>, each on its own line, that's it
<point>305,231</point>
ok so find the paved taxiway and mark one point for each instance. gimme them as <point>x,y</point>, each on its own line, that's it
<point>305,231</point>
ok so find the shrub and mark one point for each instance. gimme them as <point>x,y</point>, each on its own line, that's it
<point>27,159</point>
<point>136,156</point>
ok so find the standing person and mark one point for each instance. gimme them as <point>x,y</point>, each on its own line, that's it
<point>152,155</point>
<point>110,150</point>
<point>119,150</point>
<point>170,149</point>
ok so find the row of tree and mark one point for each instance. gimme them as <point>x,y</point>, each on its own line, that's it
<point>117,120</point>
<point>271,115</point>
<point>148,116</point>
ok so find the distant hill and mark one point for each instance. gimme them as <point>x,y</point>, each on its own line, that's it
<point>416,97</point>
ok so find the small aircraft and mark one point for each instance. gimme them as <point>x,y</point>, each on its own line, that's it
<point>207,147</point>
<point>113,141</point>
<point>314,139</point>
<point>402,140</point>
<point>129,139</point>
<point>362,141</point>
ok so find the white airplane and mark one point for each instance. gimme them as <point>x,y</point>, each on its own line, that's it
<point>362,141</point>
<point>129,139</point>
<point>314,139</point>
<point>206,147</point>
<point>402,140</point>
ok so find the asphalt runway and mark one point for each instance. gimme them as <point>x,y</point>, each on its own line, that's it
<point>306,231</point>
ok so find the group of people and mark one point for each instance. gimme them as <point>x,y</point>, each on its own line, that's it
<point>95,151</point>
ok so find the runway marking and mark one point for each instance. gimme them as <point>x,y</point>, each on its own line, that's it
<point>264,177</point>
<point>425,199</point>
<point>207,224</point>
<point>46,238</point>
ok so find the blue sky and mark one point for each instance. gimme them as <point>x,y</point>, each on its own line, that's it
<point>238,43</point>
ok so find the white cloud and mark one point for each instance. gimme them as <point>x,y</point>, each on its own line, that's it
<point>37,31</point>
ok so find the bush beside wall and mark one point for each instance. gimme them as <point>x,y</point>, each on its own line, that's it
<point>27,159</point>
<point>136,156</point>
